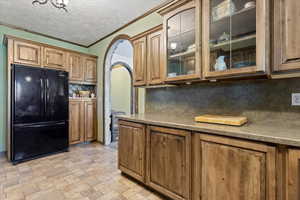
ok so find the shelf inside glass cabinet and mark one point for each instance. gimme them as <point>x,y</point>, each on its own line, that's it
<point>232,37</point>
<point>181,44</point>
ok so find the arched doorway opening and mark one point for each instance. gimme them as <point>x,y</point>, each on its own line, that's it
<point>122,95</point>
<point>119,53</point>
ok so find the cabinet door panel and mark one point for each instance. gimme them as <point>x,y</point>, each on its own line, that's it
<point>140,61</point>
<point>76,134</point>
<point>168,162</point>
<point>90,121</point>
<point>293,175</point>
<point>26,53</point>
<point>90,74</point>
<point>76,67</point>
<point>55,59</point>
<point>232,169</point>
<point>132,141</point>
<point>155,58</point>
<point>232,173</point>
<point>286,35</point>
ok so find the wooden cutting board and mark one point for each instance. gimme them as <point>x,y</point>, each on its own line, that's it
<point>219,119</point>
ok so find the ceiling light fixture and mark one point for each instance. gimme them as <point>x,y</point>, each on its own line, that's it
<point>60,4</point>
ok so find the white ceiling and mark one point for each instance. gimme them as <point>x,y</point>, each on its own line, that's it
<point>86,22</point>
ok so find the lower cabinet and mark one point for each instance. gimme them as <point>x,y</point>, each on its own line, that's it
<point>90,121</point>
<point>76,129</point>
<point>132,149</point>
<point>168,161</point>
<point>197,166</point>
<point>293,171</point>
<point>83,121</point>
<point>289,174</point>
<point>232,169</point>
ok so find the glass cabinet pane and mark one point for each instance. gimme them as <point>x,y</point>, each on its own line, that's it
<point>232,35</point>
<point>181,44</point>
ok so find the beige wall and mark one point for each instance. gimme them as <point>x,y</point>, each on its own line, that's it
<point>120,89</point>
<point>100,48</point>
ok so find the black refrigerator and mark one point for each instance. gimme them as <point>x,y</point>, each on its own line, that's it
<point>40,112</point>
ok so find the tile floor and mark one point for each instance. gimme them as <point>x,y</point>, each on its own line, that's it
<point>87,172</point>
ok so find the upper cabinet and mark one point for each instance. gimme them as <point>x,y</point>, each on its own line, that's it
<point>27,54</point>
<point>148,60</point>
<point>155,58</point>
<point>235,37</point>
<point>182,32</point>
<point>55,59</point>
<point>140,61</point>
<point>82,67</point>
<point>76,69</point>
<point>286,43</point>
<point>90,67</point>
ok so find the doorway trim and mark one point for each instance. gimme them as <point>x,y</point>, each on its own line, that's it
<point>107,67</point>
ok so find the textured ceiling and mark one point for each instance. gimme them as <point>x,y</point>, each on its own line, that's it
<point>86,22</point>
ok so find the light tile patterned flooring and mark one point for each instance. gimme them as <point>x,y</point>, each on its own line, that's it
<point>87,172</point>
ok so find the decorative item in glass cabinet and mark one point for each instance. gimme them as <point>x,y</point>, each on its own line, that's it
<point>224,37</point>
<point>173,45</point>
<point>60,4</point>
<point>220,64</point>
<point>224,9</point>
<point>250,4</point>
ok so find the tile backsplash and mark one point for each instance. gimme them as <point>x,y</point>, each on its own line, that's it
<point>75,87</point>
<point>256,99</point>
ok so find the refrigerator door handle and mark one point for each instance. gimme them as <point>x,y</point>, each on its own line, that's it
<point>47,83</point>
<point>46,96</point>
<point>42,93</point>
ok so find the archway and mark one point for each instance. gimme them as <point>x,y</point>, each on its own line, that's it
<point>120,51</point>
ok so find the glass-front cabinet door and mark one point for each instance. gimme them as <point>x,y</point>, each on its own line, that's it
<point>182,56</point>
<point>235,37</point>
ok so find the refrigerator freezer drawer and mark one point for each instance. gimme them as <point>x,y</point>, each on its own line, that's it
<point>30,141</point>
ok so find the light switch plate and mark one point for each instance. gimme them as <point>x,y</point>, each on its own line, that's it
<point>296,99</point>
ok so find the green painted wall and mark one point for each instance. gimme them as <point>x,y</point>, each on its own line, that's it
<point>120,89</point>
<point>3,60</point>
<point>100,48</point>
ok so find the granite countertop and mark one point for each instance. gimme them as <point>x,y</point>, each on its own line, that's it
<point>277,132</point>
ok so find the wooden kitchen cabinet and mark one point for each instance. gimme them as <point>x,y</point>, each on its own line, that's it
<point>286,42</point>
<point>140,61</point>
<point>76,130</point>
<point>83,120</point>
<point>90,123</point>
<point>148,57</point>
<point>132,149</point>
<point>288,160</point>
<point>181,25</point>
<point>226,168</point>
<point>27,53</point>
<point>168,161</point>
<point>155,58</point>
<point>76,69</point>
<point>293,185</point>
<point>235,43</point>
<point>90,70</point>
<point>55,59</point>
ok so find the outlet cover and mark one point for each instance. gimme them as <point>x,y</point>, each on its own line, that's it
<point>296,99</point>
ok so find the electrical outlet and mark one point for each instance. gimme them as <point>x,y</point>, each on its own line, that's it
<point>296,99</point>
